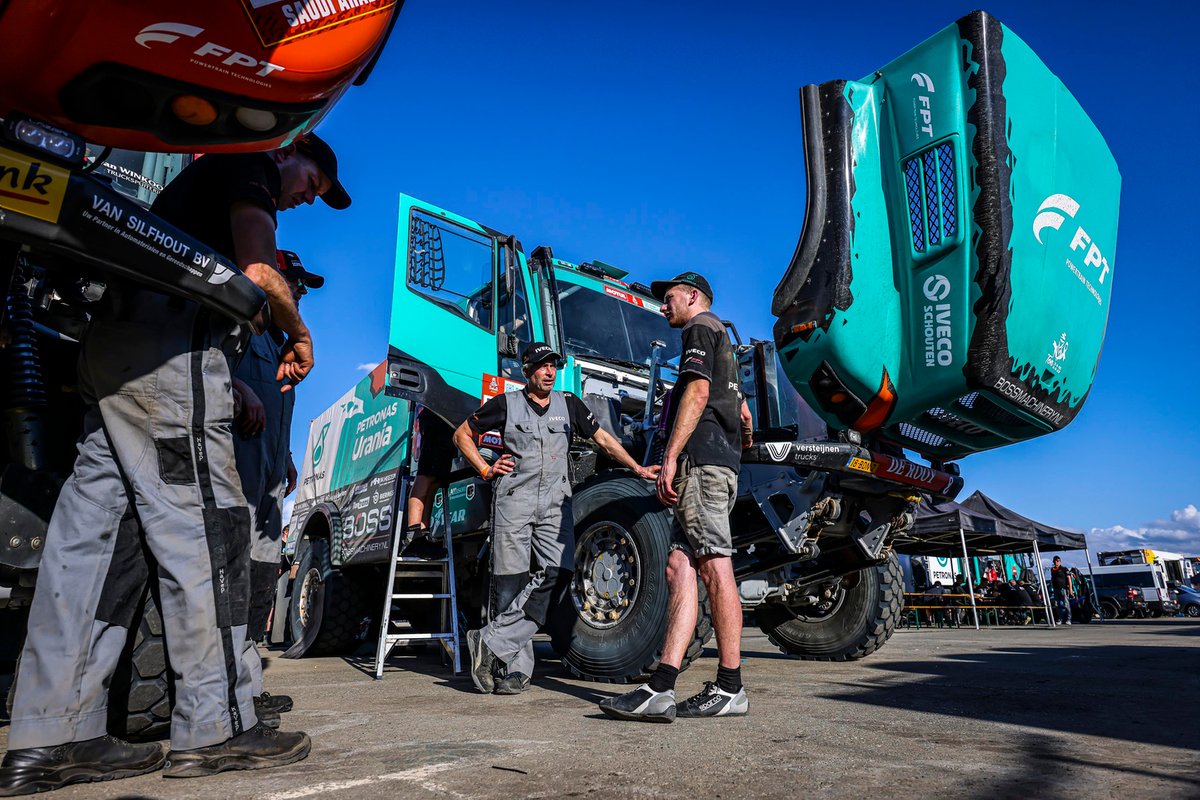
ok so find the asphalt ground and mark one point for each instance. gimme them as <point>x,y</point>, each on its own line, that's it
<point>1091,711</point>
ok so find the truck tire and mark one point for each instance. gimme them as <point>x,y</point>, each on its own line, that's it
<point>142,690</point>
<point>861,622</point>
<point>1109,610</point>
<point>327,609</point>
<point>623,537</point>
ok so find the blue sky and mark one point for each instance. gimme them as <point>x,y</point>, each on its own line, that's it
<point>666,136</point>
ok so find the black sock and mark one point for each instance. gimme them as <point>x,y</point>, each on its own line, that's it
<point>730,680</point>
<point>663,678</point>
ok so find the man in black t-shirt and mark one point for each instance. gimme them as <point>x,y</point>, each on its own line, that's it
<point>1060,592</point>
<point>531,511</point>
<point>709,424</point>
<point>156,469</point>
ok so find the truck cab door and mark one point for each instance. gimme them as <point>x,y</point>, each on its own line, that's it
<point>452,321</point>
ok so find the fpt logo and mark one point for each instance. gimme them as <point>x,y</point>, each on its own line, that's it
<point>171,32</point>
<point>922,80</point>
<point>319,447</point>
<point>166,33</point>
<point>923,105</point>
<point>1052,213</point>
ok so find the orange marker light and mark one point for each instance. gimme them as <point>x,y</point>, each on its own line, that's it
<point>193,110</point>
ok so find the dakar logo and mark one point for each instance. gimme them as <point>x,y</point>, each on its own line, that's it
<point>1058,352</point>
<point>319,447</point>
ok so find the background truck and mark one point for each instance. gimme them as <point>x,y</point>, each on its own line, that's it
<point>948,294</point>
<point>813,510</point>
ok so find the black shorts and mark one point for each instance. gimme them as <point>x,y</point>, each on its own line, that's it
<point>437,446</point>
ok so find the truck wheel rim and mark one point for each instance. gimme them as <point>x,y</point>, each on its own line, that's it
<point>310,589</point>
<point>608,575</point>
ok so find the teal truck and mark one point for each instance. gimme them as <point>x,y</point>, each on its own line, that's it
<point>961,220</point>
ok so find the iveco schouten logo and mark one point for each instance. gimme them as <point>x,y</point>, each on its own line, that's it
<point>165,32</point>
<point>936,288</point>
<point>1050,214</point>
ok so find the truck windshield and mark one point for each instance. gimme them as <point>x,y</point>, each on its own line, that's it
<point>598,325</point>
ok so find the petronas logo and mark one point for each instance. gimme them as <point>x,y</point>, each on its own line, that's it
<point>319,447</point>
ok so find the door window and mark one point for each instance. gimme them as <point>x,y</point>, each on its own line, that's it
<point>452,266</point>
<point>514,315</point>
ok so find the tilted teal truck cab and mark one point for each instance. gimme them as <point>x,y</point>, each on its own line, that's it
<point>961,220</point>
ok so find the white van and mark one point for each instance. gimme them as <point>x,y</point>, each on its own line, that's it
<point>1117,571</point>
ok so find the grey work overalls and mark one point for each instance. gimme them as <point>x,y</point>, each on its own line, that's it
<point>155,468</point>
<point>531,515</point>
<point>262,462</point>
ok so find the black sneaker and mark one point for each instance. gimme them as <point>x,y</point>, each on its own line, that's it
<point>482,661</point>
<point>643,704</point>
<point>713,701</point>
<point>512,683</point>
<point>423,543</point>
<point>279,703</point>
<point>258,748</point>
<point>106,758</point>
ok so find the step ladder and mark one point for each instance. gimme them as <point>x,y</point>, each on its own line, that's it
<point>402,570</point>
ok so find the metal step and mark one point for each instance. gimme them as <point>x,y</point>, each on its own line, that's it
<point>445,596</point>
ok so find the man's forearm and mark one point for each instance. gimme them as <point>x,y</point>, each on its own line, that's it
<point>614,450</point>
<point>284,313</point>
<point>691,407</point>
<point>464,440</point>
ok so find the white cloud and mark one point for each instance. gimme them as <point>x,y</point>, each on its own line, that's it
<point>288,503</point>
<point>1179,534</point>
<point>367,366</point>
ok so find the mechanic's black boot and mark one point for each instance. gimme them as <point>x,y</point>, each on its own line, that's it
<point>279,703</point>
<point>258,748</point>
<point>41,769</point>
<point>512,683</point>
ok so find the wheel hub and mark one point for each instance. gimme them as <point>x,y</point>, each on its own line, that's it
<point>607,575</point>
<point>310,589</point>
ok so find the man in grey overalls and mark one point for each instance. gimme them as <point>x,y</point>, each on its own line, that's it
<point>156,470</point>
<point>531,511</point>
<point>261,445</point>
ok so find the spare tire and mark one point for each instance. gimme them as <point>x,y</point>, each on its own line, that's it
<point>609,622</point>
<point>863,618</point>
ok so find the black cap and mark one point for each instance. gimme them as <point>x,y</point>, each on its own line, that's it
<point>289,264</point>
<point>315,148</point>
<point>538,352</point>
<point>659,288</point>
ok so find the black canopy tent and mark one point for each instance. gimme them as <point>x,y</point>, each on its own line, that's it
<point>982,526</point>
<point>1048,537</point>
